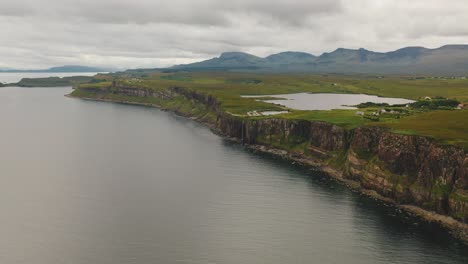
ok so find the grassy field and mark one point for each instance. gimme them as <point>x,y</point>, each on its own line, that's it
<point>258,84</point>
<point>448,126</point>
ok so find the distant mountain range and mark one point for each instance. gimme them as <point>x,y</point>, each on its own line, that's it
<point>66,68</point>
<point>449,59</point>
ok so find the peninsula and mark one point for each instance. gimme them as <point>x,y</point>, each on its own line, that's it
<point>413,155</point>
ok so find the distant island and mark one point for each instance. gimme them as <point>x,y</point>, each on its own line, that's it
<point>66,68</point>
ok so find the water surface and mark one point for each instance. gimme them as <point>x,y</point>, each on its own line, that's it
<point>328,101</point>
<point>91,182</point>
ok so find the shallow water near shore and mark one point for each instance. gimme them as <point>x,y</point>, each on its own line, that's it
<point>95,182</point>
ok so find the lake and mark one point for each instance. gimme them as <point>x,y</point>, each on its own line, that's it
<point>328,101</point>
<point>93,182</point>
<point>14,77</point>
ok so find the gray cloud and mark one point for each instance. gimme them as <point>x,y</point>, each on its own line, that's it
<point>201,12</point>
<point>149,33</point>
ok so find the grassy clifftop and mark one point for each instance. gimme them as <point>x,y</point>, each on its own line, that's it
<point>443,123</point>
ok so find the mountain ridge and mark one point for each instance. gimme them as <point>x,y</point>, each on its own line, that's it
<point>447,59</point>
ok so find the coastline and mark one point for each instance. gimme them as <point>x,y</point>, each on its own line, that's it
<point>454,227</point>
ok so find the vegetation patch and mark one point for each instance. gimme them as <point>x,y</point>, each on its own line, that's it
<point>371,104</point>
<point>448,126</point>
<point>364,154</point>
<point>338,159</point>
<point>436,103</point>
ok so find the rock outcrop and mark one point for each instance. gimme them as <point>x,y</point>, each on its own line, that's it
<point>411,170</point>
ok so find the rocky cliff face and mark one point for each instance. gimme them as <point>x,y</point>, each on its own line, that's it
<point>139,92</point>
<point>408,169</point>
<point>283,131</point>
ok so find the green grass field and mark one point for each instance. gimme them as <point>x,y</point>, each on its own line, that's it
<point>258,84</point>
<point>450,127</point>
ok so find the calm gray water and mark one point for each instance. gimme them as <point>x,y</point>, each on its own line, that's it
<point>329,101</point>
<point>91,182</point>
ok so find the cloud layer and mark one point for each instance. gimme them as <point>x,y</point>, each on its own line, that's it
<point>155,33</point>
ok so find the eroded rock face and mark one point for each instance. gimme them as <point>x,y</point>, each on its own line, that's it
<point>367,139</point>
<point>319,134</point>
<point>462,175</point>
<point>281,130</point>
<point>410,169</point>
<point>327,136</point>
<point>139,92</point>
<point>204,99</point>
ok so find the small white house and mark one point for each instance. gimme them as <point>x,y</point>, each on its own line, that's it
<point>253,113</point>
<point>360,113</point>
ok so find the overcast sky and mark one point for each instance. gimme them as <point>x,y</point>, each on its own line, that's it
<point>156,33</point>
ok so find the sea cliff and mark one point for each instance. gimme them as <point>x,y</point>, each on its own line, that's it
<point>422,175</point>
